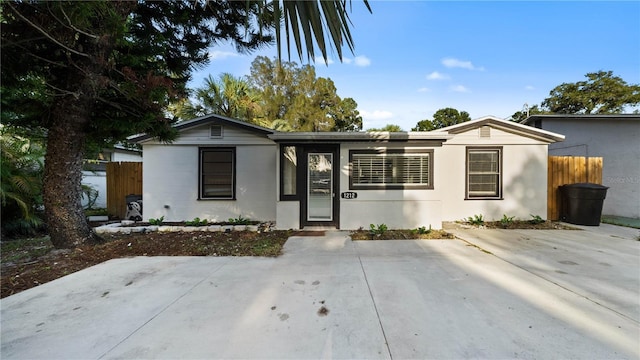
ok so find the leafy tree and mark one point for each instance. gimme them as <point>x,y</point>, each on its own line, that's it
<point>100,71</point>
<point>442,118</point>
<point>228,95</point>
<point>424,125</point>
<point>294,94</point>
<point>388,127</point>
<point>345,116</point>
<point>601,93</point>
<point>520,116</point>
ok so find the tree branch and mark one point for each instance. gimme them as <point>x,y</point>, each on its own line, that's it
<point>95,37</point>
<point>45,33</point>
<point>61,91</point>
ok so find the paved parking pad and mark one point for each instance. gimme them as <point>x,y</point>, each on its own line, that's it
<point>443,300</point>
<point>330,297</point>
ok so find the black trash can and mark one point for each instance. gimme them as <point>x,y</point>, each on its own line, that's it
<point>582,203</point>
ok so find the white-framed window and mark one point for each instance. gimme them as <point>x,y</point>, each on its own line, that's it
<point>391,169</point>
<point>217,173</point>
<point>484,173</point>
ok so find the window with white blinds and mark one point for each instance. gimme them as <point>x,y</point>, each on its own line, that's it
<point>484,173</point>
<point>389,170</point>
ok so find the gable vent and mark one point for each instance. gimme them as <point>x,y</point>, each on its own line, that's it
<point>485,132</point>
<point>215,131</point>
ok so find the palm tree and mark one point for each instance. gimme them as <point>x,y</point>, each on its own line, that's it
<point>227,95</point>
<point>21,165</point>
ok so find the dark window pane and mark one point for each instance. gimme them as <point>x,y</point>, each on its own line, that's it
<point>217,173</point>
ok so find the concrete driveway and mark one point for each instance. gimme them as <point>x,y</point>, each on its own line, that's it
<point>495,294</point>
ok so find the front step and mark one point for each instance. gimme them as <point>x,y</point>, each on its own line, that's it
<point>319,228</point>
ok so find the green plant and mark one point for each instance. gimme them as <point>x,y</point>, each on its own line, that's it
<point>157,221</point>
<point>506,220</point>
<point>21,169</point>
<point>423,230</point>
<point>377,230</point>
<point>239,221</point>
<point>476,220</point>
<point>197,222</point>
<point>536,219</point>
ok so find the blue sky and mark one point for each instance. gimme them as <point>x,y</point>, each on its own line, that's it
<point>487,58</point>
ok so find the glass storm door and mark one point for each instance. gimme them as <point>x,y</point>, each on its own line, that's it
<point>319,187</point>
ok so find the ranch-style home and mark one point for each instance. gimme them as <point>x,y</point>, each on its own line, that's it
<point>221,168</point>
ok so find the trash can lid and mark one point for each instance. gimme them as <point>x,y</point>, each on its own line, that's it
<point>587,186</point>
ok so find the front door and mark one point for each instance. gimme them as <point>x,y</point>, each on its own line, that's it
<point>320,205</point>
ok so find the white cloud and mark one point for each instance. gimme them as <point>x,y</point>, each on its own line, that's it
<point>362,61</point>
<point>320,60</point>
<point>455,63</point>
<point>376,114</point>
<point>424,89</point>
<point>529,87</point>
<point>459,88</point>
<point>221,55</point>
<point>437,76</point>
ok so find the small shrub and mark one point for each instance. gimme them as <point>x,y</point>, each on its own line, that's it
<point>476,220</point>
<point>239,221</point>
<point>157,221</point>
<point>197,222</point>
<point>506,220</point>
<point>377,230</point>
<point>423,230</point>
<point>536,219</point>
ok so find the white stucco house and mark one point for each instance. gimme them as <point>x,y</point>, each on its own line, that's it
<point>221,168</point>
<point>615,138</point>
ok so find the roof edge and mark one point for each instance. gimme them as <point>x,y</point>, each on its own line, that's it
<point>377,136</point>
<point>188,124</point>
<point>506,125</point>
<point>533,118</point>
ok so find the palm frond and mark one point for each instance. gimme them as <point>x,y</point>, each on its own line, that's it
<point>317,23</point>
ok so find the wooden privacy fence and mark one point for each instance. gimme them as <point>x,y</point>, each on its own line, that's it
<point>569,170</point>
<point>123,178</point>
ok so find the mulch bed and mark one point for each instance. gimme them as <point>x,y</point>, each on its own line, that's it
<point>400,235</point>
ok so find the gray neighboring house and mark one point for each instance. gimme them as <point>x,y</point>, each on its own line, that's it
<point>615,138</point>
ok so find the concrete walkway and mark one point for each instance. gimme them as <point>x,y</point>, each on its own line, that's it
<point>496,294</point>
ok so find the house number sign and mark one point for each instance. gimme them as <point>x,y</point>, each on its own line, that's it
<point>349,195</point>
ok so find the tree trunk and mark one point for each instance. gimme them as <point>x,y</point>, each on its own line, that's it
<point>67,225</point>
